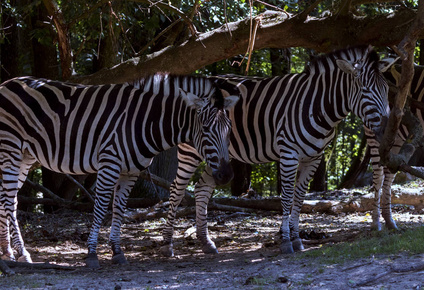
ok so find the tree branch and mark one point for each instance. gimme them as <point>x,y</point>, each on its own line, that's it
<point>321,34</point>
<point>406,51</point>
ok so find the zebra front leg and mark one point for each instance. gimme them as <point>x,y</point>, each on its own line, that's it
<point>386,200</point>
<point>188,160</point>
<point>122,191</point>
<point>203,193</point>
<point>287,174</point>
<point>106,180</point>
<point>305,172</point>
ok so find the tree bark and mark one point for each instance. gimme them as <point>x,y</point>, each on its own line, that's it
<point>9,46</point>
<point>63,39</point>
<point>241,181</point>
<point>406,50</point>
<point>275,30</point>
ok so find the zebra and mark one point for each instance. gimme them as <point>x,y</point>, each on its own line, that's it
<point>113,130</point>
<point>290,119</point>
<point>382,176</point>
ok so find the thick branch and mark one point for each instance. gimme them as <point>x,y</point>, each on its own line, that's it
<point>406,50</point>
<point>276,30</point>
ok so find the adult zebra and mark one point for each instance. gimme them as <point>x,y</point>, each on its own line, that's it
<point>383,177</point>
<point>290,119</point>
<point>114,130</point>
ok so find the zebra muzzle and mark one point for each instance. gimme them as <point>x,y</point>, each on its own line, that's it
<point>224,173</point>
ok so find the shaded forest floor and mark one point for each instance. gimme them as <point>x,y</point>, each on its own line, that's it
<point>249,254</point>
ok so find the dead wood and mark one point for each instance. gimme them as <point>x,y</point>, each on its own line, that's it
<point>37,266</point>
<point>393,269</point>
<point>334,207</point>
<point>4,268</point>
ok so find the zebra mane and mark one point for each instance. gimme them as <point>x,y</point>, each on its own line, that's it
<point>167,84</point>
<point>354,53</point>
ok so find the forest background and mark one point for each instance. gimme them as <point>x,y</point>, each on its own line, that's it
<point>95,42</point>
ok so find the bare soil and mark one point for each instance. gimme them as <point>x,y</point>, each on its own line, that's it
<point>249,255</point>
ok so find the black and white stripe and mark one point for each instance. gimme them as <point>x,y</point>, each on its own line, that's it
<point>290,119</point>
<point>112,130</point>
<point>383,177</point>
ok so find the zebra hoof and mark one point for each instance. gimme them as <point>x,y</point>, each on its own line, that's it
<point>376,227</point>
<point>8,257</point>
<point>92,261</point>
<point>167,250</point>
<point>391,225</point>
<point>119,259</point>
<point>286,247</point>
<point>26,258</point>
<point>297,245</point>
<point>210,249</point>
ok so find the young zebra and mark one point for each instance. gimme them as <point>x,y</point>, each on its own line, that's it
<point>112,130</point>
<point>382,177</point>
<point>290,119</point>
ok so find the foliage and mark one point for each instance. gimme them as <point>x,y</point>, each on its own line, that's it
<point>341,153</point>
<point>134,28</point>
<point>372,244</point>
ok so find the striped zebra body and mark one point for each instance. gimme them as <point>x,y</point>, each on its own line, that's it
<point>383,177</point>
<point>290,119</point>
<point>111,130</point>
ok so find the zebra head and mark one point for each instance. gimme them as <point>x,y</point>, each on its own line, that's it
<point>212,131</point>
<point>369,94</point>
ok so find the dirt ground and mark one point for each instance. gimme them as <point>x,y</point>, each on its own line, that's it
<point>249,255</point>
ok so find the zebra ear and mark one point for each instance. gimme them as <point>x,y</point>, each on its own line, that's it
<point>192,100</point>
<point>348,67</point>
<point>230,102</point>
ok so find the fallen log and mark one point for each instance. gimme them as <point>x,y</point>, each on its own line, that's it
<point>406,196</point>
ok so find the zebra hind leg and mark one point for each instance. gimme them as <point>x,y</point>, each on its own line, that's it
<point>7,251</point>
<point>106,179</point>
<point>305,172</point>
<point>386,200</point>
<point>14,173</point>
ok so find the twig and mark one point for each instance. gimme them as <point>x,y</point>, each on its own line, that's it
<point>174,9</point>
<point>304,14</point>
<point>157,37</point>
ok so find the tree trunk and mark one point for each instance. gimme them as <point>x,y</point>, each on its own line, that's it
<point>357,166</point>
<point>108,45</point>
<point>319,182</point>
<point>63,38</point>
<point>165,166</point>
<point>241,181</point>
<point>9,47</point>
<point>46,64</point>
